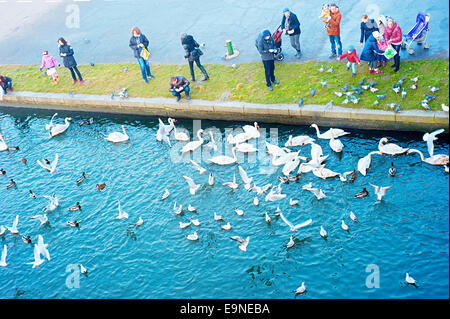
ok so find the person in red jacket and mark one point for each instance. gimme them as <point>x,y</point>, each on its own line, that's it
<point>393,35</point>
<point>352,59</point>
<point>334,31</point>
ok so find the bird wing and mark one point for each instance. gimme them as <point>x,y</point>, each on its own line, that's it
<point>286,221</point>
<point>4,252</point>
<point>306,223</point>
<point>377,188</point>
<point>244,175</point>
<point>40,217</point>
<point>190,182</point>
<point>237,238</point>
<point>16,221</point>
<point>44,166</point>
<point>54,163</point>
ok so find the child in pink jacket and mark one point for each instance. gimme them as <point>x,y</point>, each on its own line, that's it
<point>50,63</point>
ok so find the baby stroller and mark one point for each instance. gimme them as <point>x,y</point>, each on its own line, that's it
<point>418,33</point>
<point>277,39</point>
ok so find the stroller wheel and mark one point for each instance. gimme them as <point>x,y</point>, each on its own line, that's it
<point>411,51</point>
<point>426,45</point>
<point>280,57</point>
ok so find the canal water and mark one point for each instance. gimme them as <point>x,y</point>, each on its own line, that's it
<point>405,232</point>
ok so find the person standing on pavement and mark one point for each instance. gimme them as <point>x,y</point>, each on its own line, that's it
<point>334,30</point>
<point>266,48</point>
<point>291,26</point>
<point>393,35</point>
<point>139,45</point>
<point>367,27</point>
<point>66,52</point>
<point>193,53</point>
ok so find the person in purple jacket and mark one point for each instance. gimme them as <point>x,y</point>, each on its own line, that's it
<point>50,63</point>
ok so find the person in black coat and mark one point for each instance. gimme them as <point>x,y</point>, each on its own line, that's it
<point>367,27</point>
<point>179,84</point>
<point>137,42</point>
<point>291,26</point>
<point>266,48</point>
<point>66,52</point>
<point>192,54</point>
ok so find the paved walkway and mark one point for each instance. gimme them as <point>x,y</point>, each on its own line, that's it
<point>27,28</point>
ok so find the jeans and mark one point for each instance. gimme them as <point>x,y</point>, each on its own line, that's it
<point>333,40</point>
<point>353,64</point>
<point>145,68</point>
<point>397,56</point>
<point>269,69</point>
<point>74,70</point>
<point>186,90</point>
<point>200,66</point>
<point>295,42</point>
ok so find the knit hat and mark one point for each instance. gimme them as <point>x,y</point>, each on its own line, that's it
<point>351,48</point>
<point>285,10</point>
<point>376,34</point>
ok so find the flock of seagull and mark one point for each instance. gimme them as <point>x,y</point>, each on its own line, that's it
<point>289,159</point>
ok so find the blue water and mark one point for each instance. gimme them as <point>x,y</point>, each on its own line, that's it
<point>406,232</point>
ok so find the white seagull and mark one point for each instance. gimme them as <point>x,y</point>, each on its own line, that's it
<point>192,186</point>
<point>294,228</point>
<point>43,247</point>
<point>122,214</point>
<point>243,242</point>
<point>42,218</point>
<point>13,229</point>
<point>3,259</point>
<point>233,185</point>
<point>429,138</point>
<point>198,167</point>
<point>380,191</point>
<point>247,181</point>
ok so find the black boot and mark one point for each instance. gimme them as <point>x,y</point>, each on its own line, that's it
<point>206,77</point>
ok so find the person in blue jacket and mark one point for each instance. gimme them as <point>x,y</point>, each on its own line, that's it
<point>66,52</point>
<point>266,48</point>
<point>5,83</point>
<point>370,52</point>
<point>137,42</point>
<point>291,26</point>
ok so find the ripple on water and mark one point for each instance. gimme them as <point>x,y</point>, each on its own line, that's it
<point>407,231</point>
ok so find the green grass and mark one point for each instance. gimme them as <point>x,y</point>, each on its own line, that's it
<point>247,83</point>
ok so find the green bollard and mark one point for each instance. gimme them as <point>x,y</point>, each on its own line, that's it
<point>230,48</point>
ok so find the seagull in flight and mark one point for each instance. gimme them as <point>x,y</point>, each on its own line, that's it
<point>380,191</point>
<point>294,228</point>
<point>192,186</point>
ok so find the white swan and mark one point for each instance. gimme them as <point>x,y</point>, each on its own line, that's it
<point>298,140</point>
<point>239,138</point>
<point>437,159</point>
<point>60,128</point>
<point>117,137</point>
<point>3,146</point>
<point>225,160</point>
<point>179,136</point>
<point>364,162</point>
<point>192,146</point>
<point>391,149</point>
<point>290,166</point>
<point>276,150</point>
<point>163,131</point>
<point>245,148</point>
<point>336,144</point>
<point>252,131</point>
<point>324,173</point>
<point>337,132</point>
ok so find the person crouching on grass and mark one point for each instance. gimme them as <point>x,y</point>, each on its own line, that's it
<point>352,59</point>
<point>370,51</point>
<point>50,63</point>
<point>5,84</point>
<point>179,84</point>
